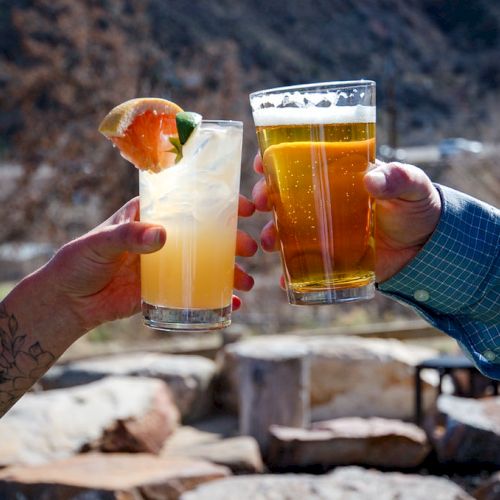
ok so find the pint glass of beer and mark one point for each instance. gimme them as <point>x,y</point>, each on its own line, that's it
<point>317,142</point>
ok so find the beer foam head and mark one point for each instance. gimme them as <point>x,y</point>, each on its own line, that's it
<point>315,108</point>
<point>314,116</point>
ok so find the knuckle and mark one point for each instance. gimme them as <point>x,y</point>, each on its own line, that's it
<point>125,234</point>
<point>400,173</point>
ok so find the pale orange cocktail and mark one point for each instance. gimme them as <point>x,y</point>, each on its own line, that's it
<point>188,283</point>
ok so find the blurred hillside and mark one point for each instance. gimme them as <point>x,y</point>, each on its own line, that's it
<point>64,64</point>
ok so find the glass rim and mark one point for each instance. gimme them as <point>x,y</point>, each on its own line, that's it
<point>318,86</point>
<point>226,123</point>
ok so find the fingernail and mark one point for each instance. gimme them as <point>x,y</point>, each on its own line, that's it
<point>254,247</point>
<point>247,284</point>
<point>250,282</point>
<point>236,303</point>
<point>266,243</point>
<point>151,237</point>
<point>377,181</point>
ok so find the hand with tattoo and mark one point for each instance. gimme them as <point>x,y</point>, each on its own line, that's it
<point>89,281</point>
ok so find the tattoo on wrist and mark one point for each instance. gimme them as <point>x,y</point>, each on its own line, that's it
<point>21,364</point>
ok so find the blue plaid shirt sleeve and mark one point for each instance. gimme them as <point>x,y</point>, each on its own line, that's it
<point>454,281</point>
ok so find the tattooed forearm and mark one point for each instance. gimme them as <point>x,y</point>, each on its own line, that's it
<point>22,362</point>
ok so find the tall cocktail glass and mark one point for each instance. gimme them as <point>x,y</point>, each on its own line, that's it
<point>188,284</point>
<point>317,142</point>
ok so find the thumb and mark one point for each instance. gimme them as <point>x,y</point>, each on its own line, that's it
<point>398,181</point>
<point>107,243</point>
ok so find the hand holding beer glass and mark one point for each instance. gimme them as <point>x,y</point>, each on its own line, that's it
<point>317,142</point>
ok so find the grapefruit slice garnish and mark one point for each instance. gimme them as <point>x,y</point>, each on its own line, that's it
<point>145,130</point>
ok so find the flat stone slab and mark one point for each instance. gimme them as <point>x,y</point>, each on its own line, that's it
<point>372,442</point>
<point>216,440</point>
<point>210,429</point>
<point>240,454</point>
<point>350,376</point>
<point>190,378</point>
<point>345,483</point>
<point>108,477</point>
<point>467,430</point>
<point>114,414</point>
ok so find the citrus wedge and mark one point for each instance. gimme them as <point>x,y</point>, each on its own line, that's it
<point>145,132</point>
<point>186,122</point>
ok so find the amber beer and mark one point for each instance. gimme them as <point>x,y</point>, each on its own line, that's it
<point>314,160</point>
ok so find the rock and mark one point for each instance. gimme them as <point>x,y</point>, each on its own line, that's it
<point>240,454</point>
<point>467,430</point>
<point>108,477</point>
<point>365,378</point>
<point>372,442</point>
<point>263,487</point>
<point>395,485</point>
<point>115,414</point>
<point>210,429</point>
<point>350,376</point>
<point>189,377</point>
<point>490,490</point>
<point>345,483</point>
<point>216,440</point>
<point>274,388</point>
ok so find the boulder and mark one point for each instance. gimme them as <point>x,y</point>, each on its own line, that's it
<point>216,440</point>
<point>372,442</point>
<point>345,483</point>
<point>240,454</point>
<point>189,377</point>
<point>466,430</point>
<point>210,429</point>
<point>350,376</point>
<point>108,477</point>
<point>115,414</point>
<point>274,389</point>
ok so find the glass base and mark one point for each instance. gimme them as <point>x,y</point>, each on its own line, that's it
<point>187,320</point>
<point>332,296</point>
